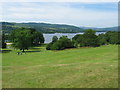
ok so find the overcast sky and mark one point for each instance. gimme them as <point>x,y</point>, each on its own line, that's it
<point>89,14</point>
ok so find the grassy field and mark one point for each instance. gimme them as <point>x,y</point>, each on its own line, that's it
<point>70,68</point>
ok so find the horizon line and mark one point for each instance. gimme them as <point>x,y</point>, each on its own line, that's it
<point>58,23</point>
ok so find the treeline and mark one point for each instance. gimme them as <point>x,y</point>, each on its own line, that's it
<point>88,39</point>
<point>23,38</point>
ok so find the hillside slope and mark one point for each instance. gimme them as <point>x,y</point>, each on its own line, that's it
<point>52,28</point>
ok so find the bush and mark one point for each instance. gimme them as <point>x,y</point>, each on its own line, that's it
<point>54,39</point>
<point>48,47</point>
<point>77,40</point>
<point>102,39</point>
<point>57,46</point>
<point>87,39</point>
<point>112,37</point>
<point>90,39</point>
<point>60,44</point>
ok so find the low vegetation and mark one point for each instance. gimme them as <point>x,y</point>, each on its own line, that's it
<point>60,44</point>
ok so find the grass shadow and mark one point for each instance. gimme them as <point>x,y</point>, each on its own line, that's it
<point>35,48</point>
<point>5,51</point>
<point>31,51</point>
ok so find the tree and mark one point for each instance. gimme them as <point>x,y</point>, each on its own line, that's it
<point>57,46</point>
<point>66,42</point>
<point>108,36</point>
<point>60,44</point>
<point>90,39</point>
<point>54,38</point>
<point>3,41</point>
<point>3,44</point>
<point>37,38</point>
<point>77,39</point>
<point>23,38</point>
<point>112,37</point>
<point>102,39</point>
<point>48,47</point>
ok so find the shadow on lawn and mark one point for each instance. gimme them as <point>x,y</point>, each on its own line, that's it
<point>31,51</point>
<point>35,48</point>
<point>5,51</point>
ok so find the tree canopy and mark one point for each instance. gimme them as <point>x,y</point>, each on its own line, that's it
<point>23,38</point>
<point>60,44</point>
<point>87,39</point>
<point>54,38</point>
<point>3,40</point>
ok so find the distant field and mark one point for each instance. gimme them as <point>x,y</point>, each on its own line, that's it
<point>71,68</point>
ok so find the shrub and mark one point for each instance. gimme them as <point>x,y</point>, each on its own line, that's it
<point>54,39</point>
<point>60,44</point>
<point>102,39</point>
<point>48,47</point>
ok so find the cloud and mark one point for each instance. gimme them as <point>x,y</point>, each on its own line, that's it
<point>59,1</point>
<point>63,13</point>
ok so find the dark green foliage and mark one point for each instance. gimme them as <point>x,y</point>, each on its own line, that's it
<point>87,39</point>
<point>77,40</point>
<point>57,46</point>
<point>23,38</point>
<point>54,39</point>
<point>90,39</point>
<point>60,44</point>
<point>37,38</point>
<point>48,47</point>
<point>66,42</point>
<point>102,39</point>
<point>3,44</point>
<point>3,41</point>
<point>112,37</point>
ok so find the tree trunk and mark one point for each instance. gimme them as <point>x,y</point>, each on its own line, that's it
<point>23,50</point>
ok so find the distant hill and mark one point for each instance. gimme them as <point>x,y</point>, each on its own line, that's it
<point>102,29</point>
<point>51,28</point>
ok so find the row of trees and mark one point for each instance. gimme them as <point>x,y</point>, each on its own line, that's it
<point>110,37</point>
<point>88,39</point>
<point>23,38</point>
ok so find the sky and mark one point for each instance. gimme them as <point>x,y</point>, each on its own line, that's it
<point>81,14</point>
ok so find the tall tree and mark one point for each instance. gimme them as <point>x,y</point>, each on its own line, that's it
<point>112,37</point>
<point>90,39</point>
<point>54,38</point>
<point>60,44</point>
<point>102,39</point>
<point>23,38</point>
<point>37,38</point>
<point>77,39</point>
<point>3,40</point>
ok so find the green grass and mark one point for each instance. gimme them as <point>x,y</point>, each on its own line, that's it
<point>70,68</point>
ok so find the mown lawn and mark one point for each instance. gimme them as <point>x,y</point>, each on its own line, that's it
<point>70,68</point>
